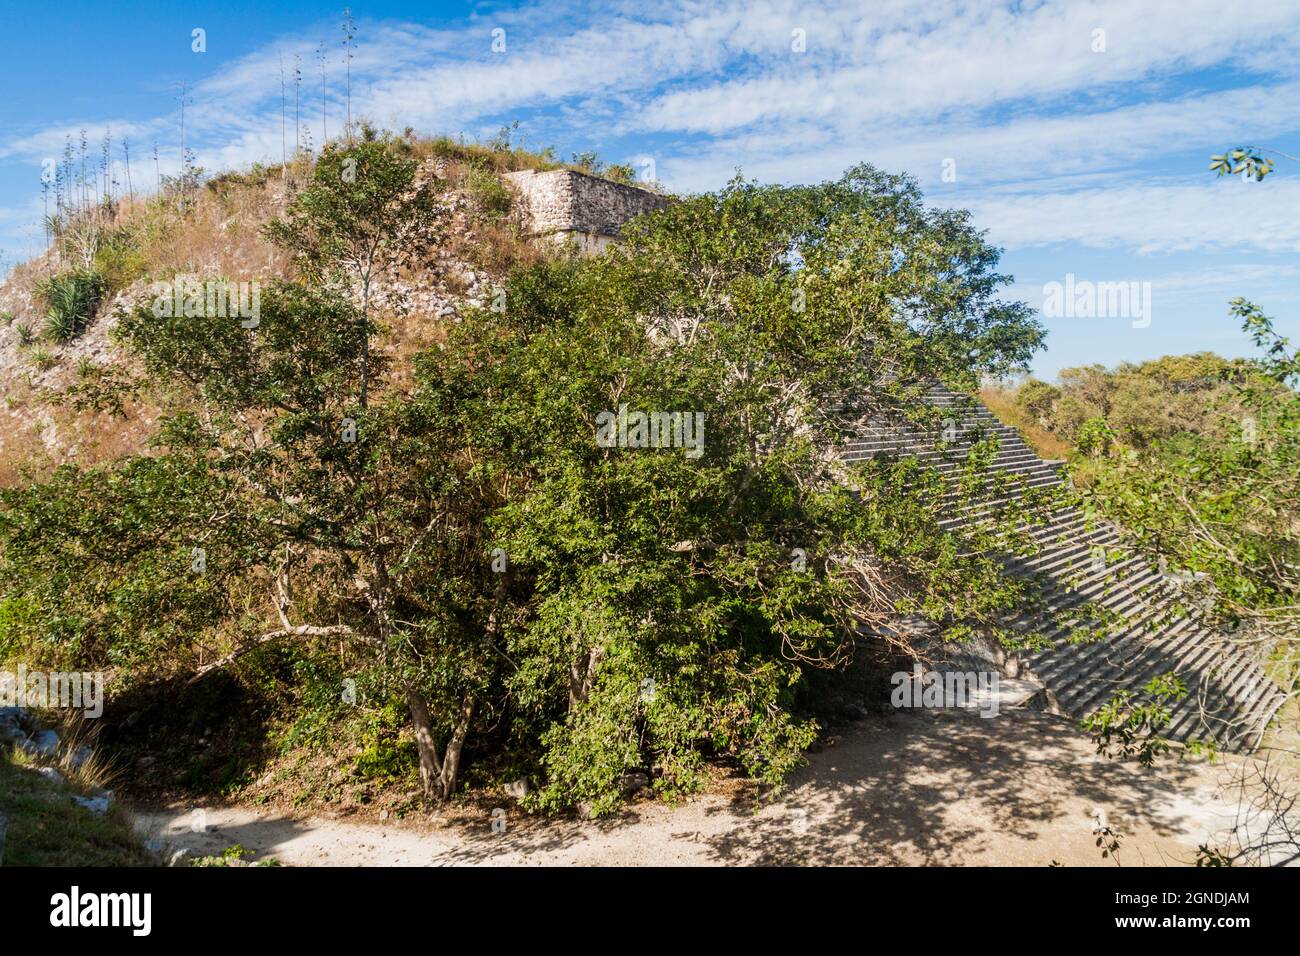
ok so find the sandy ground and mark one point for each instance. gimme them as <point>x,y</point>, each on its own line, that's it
<point>940,788</point>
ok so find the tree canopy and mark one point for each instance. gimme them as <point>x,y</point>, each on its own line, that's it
<point>608,527</point>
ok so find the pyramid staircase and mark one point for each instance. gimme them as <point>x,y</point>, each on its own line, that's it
<point>1229,701</point>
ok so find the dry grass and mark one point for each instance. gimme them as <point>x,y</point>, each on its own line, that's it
<point>495,246</point>
<point>219,231</point>
<point>45,826</point>
<point>1001,402</point>
<point>221,234</point>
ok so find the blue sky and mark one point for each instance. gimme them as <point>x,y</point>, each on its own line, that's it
<point>1076,160</point>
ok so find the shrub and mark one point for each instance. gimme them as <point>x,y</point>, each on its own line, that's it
<point>71,299</point>
<point>621,173</point>
<point>1094,437</point>
<point>1036,398</point>
<point>488,194</point>
<point>120,260</point>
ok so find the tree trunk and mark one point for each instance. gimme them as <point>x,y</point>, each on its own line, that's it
<point>451,759</point>
<point>438,774</point>
<point>430,764</point>
<point>582,676</point>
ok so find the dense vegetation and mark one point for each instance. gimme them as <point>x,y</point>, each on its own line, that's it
<point>464,556</point>
<point>1198,458</point>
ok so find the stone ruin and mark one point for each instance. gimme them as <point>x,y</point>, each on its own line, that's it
<point>568,206</point>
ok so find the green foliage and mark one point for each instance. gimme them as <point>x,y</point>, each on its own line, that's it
<point>70,299</point>
<point>1094,437</point>
<point>1129,725</point>
<point>42,358</point>
<point>120,260</point>
<point>1208,856</point>
<point>621,173</point>
<point>387,760</point>
<point>488,194</point>
<point>362,200</point>
<point>45,827</point>
<point>647,568</point>
<point>233,855</point>
<point>1140,404</point>
<point>1246,159</point>
<point>498,572</point>
<point>1037,399</point>
<point>588,162</point>
<point>1219,498</point>
<point>500,141</point>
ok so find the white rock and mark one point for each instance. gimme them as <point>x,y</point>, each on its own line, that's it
<point>44,744</point>
<point>80,756</point>
<point>96,805</point>
<point>50,774</point>
<point>179,857</point>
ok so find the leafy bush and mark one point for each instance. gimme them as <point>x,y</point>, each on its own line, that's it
<point>120,260</point>
<point>1094,437</point>
<point>488,194</point>
<point>621,173</point>
<point>1036,398</point>
<point>70,299</point>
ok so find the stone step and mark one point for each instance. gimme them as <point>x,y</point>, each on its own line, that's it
<point>1152,637</point>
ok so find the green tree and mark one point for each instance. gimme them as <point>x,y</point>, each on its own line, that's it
<point>615,606</point>
<point>363,210</point>
<point>678,600</point>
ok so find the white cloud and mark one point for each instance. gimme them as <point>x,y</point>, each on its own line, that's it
<point>1151,218</point>
<point>1053,142</point>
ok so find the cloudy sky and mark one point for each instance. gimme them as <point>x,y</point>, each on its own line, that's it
<point>1078,133</point>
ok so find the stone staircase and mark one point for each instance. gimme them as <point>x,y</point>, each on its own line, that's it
<point>1081,565</point>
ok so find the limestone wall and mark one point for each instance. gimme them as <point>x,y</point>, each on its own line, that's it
<point>591,211</point>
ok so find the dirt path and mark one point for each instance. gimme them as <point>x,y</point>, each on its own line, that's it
<point>928,788</point>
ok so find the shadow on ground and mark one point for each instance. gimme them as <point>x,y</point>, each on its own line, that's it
<point>918,788</point>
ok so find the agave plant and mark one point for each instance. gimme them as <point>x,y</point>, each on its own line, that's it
<point>70,299</point>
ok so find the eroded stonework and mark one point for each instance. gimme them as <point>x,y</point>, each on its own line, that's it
<point>568,205</point>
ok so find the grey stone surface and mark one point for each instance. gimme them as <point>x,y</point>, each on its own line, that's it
<point>1083,560</point>
<point>96,805</point>
<point>44,743</point>
<point>591,211</point>
<point>80,756</point>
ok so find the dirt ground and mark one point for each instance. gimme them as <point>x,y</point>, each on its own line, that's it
<point>917,788</point>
